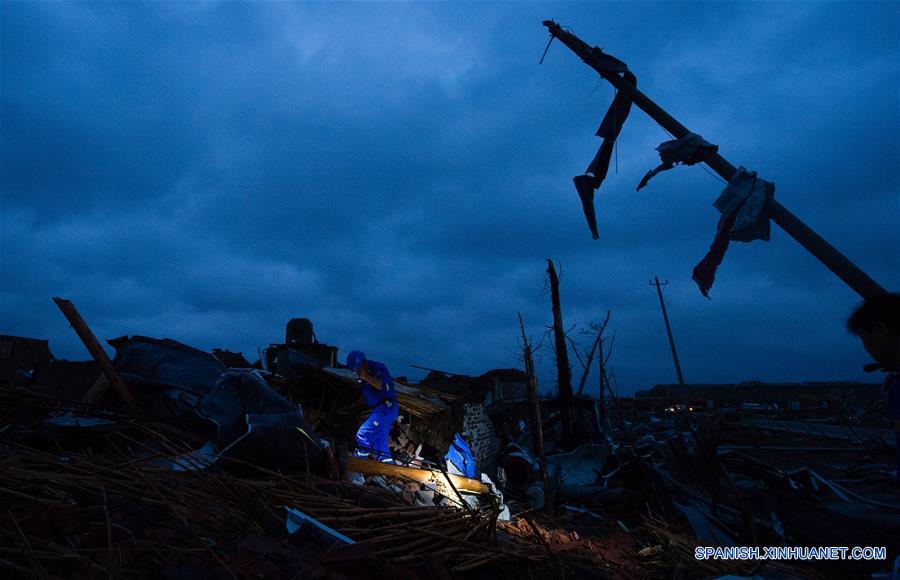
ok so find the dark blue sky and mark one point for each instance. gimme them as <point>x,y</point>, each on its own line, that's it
<point>398,173</point>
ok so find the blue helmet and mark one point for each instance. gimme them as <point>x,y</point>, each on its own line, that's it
<point>354,359</point>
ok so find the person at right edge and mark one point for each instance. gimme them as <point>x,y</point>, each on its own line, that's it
<point>877,324</point>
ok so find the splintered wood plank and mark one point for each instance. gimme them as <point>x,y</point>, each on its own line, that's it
<point>90,342</point>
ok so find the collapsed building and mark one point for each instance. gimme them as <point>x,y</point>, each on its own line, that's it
<point>196,462</point>
<point>248,471</point>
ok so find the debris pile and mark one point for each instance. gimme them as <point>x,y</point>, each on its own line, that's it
<point>172,463</point>
<point>119,493</point>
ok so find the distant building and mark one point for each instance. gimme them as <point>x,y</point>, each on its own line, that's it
<point>757,395</point>
<point>20,355</point>
<point>504,385</point>
<point>494,386</point>
<point>232,360</point>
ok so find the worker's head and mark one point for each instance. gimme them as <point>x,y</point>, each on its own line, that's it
<point>355,359</point>
<point>877,324</point>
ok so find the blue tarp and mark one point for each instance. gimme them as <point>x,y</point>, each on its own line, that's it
<point>460,456</point>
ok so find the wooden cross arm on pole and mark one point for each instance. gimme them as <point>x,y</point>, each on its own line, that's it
<point>815,244</point>
<point>90,342</point>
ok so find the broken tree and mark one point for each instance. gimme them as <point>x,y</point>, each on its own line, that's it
<point>534,401</point>
<point>563,371</point>
<point>598,341</point>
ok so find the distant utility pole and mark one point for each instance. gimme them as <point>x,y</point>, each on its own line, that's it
<point>662,304</point>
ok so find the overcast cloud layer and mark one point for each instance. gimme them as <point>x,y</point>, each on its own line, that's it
<point>398,173</point>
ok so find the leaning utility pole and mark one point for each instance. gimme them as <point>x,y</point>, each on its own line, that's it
<point>563,371</point>
<point>835,261</point>
<point>662,304</point>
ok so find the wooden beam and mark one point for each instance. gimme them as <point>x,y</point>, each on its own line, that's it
<point>90,342</point>
<point>438,478</point>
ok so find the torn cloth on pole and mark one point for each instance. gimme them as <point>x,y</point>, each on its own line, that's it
<point>744,219</point>
<point>609,129</point>
<point>689,150</point>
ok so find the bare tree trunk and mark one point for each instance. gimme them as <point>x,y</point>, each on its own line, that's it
<point>563,371</point>
<point>601,368</point>
<point>534,402</point>
<point>604,375</point>
<point>597,341</point>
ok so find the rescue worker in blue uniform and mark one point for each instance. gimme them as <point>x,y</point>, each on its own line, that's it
<point>378,390</point>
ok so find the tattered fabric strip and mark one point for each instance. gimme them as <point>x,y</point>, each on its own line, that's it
<point>609,130</point>
<point>743,205</point>
<point>689,150</point>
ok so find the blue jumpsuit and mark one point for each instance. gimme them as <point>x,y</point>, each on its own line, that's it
<point>372,436</point>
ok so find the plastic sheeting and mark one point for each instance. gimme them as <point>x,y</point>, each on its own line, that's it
<point>73,421</point>
<point>609,130</point>
<point>744,218</point>
<point>580,466</point>
<point>459,458</point>
<point>745,197</point>
<point>689,150</point>
<point>166,363</point>
<point>254,423</point>
<point>239,393</point>
<point>298,520</point>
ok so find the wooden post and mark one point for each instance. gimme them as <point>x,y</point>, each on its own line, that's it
<point>815,244</point>
<point>90,342</point>
<point>662,304</point>
<point>534,404</point>
<point>563,371</point>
